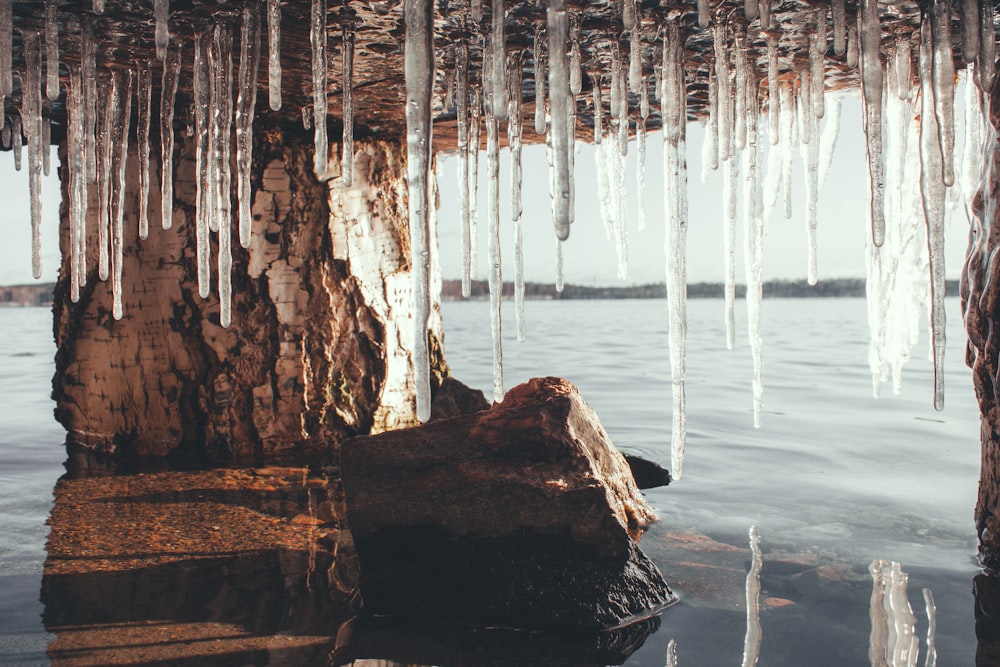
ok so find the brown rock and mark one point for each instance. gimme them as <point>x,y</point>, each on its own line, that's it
<point>454,398</point>
<point>524,515</point>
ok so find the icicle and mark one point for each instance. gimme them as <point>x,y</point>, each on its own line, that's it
<point>810,156</point>
<point>348,88</point>
<point>274,54</point>
<point>475,133</point>
<point>17,143</point>
<point>839,12</point>
<point>560,274</point>
<point>786,123</point>
<point>710,154</point>
<point>575,61</point>
<point>804,107</point>
<point>672,653</point>
<point>725,91</point>
<point>822,31</point>
<point>742,72</point>
<point>902,66</point>
<point>640,140</point>
<point>98,6</point>
<point>729,175</point>
<point>871,89</point>
<point>317,38</point>
<point>168,93</point>
<point>246,102</point>
<point>674,116</point>
<point>222,44</point>
<point>753,237</point>
<point>828,141</point>
<point>477,10</point>
<point>493,238</point>
<point>559,91</point>
<point>203,200</point>
<point>6,46</point>
<point>623,121</point>
<point>31,116</point>
<point>628,14</point>
<point>46,143</point>
<point>973,156</point>
<point>773,105</point>
<point>161,14</point>
<point>751,10</point>
<point>751,642</point>
<point>77,177</point>
<point>89,75</point>
<point>51,51</point>
<point>765,14</point>
<point>498,42</point>
<point>704,13</point>
<point>419,69</point>
<point>462,120</point>
<point>853,49</point>
<point>635,61</point>
<point>5,138</point>
<point>931,659</point>
<point>120,127</point>
<point>144,86</point>
<point>944,87</point>
<point>987,47</point>
<point>970,30</point>
<point>598,109</point>
<point>571,153</point>
<point>817,76</point>
<point>514,130</point>
<point>108,96</point>
<point>772,180</point>
<point>540,77</point>
<point>932,192</point>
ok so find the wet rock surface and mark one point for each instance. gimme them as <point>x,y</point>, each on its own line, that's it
<point>521,516</point>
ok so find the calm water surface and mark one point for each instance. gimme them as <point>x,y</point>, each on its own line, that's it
<point>834,479</point>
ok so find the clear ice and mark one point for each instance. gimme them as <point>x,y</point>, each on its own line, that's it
<point>274,54</point>
<point>246,102</point>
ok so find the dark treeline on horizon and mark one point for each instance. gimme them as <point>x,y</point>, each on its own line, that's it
<point>451,290</point>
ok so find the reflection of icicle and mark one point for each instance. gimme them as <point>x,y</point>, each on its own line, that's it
<point>161,13</point>
<point>419,73</point>
<point>674,114</point>
<point>672,653</point>
<point>932,192</point>
<point>144,86</point>
<point>274,54</point>
<point>514,130</point>
<point>168,93</point>
<point>246,102</point>
<point>871,89</point>
<point>943,67</point>
<point>317,37</point>
<point>51,51</point>
<point>893,639</point>
<point>559,93</point>
<point>348,88</point>
<point>931,659</point>
<point>751,642</point>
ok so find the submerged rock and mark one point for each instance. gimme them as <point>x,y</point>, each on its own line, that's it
<point>524,515</point>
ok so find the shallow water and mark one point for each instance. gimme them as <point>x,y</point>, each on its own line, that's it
<point>834,479</point>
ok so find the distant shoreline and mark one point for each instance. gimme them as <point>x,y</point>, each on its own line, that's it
<point>451,290</point>
<point>31,294</point>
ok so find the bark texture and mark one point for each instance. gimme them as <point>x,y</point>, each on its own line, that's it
<point>980,293</point>
<point>321,341</point>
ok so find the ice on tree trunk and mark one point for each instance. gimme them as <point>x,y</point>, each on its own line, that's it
<point>51,51</point>
<point>932,194</point>
<point>317,38</point>
<point>144,86</point>
<point>559,103</point>
<point>168,94</point>
<point>419,74</point>
<point>274,54</point>
<point>246,102</point>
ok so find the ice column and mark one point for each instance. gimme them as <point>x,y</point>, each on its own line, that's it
<point>317,38</point>
<point>348,136</point>
<point>168,93</point>
<point>674,114</point>
<point>559,103</point>
<point>246,102</point>
<point>419,74</point>
<point>871,96</point>
<point>51,51</point>
<point>222,105</point>
<point>144,85</point>
<point>475,135</point>
<point>932,193</point>
<point>274,54</point>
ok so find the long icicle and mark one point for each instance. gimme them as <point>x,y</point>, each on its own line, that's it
<point>168,94</point>
<point>274,54</point>
<point>246,102</point>
<point>871,96</point>
<point>6,46</point>
<point>51,51</point>
<point>540,81</point>
<point>77,173</point>
<point>161,13</point>
<point>558,25</point>
<point>729,175</point>
<point>108,96</point>
<point>932,194</point>
<point>200,77</point>
<point>31,117</point>
<point>493,243</point>
<point>144,86</point>
<point>514,131</point>
<point>475,136</point>
<point>419,73</point>
<point>317,38</point>
<point>943,68</point>
<point>347,159</point>
<point>498,42</point>
<point>753,238</point>
<point>462,118</point>
<point>121,124</point>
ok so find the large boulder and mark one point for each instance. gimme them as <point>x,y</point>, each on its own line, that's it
<point>524,515</point>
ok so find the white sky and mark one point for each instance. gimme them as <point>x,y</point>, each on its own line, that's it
<point>589,257</point>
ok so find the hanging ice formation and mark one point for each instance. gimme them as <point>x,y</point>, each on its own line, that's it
<point>51,51</point>
<point>246,102</point>
<point>274,54</point>
<point>168,94</point>
<point>120,125</point>
<point>559,92</point>
<point>144,85</point>
<point>514,130</point>
<point>419,73</point>
<point>347,159</point>
<point>161,14</point>
<point>493,243</point>
<point>462,121</point>
<point>871,96</point>
<point>317,38</point>
<point>31,117</point>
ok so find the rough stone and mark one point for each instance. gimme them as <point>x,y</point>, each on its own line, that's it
<point>454,398</point>
<point>524,515</point>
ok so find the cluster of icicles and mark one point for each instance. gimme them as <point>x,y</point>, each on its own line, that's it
<point>906,118</point>
<point>99,115</point>
<point>909,123</point>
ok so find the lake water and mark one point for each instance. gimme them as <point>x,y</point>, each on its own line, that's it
<point>833,479</point>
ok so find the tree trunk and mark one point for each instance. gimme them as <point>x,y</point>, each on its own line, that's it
<point>980,290</point>
<point>321,341</point>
